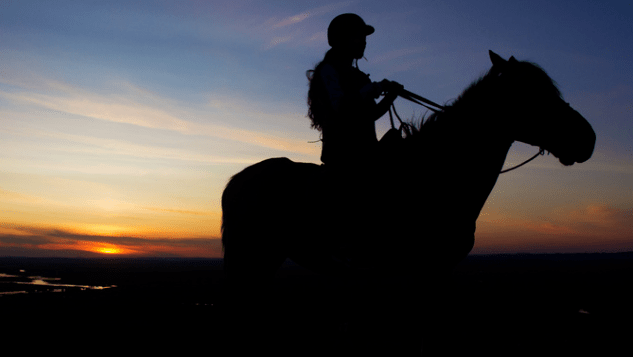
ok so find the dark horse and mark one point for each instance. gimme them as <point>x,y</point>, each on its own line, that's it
<point>434,184</point>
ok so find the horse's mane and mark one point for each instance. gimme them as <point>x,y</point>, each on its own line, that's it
<point>479,91</point>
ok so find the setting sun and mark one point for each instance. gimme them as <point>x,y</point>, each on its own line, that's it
<point>105,248</point>
<point>109,250</point>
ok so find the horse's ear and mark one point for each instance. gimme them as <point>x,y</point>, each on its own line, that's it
<point>496,59</point>
<point>513,60</point>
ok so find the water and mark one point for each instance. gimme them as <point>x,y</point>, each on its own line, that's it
<point>11,284</point>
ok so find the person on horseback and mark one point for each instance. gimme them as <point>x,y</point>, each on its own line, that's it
<point>341,98</point>
<point>342,106</point>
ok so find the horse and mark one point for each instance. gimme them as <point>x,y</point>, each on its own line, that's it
<point>443,170</point>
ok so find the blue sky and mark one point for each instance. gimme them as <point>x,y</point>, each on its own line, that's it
<point>125,119</point>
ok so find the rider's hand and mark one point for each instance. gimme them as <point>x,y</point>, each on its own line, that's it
<point>398,88</point>
<point>391,86</point>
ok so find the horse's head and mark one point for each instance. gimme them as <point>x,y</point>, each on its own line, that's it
<point>539,115</point>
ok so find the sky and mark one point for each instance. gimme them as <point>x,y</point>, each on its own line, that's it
<point>122,121</point>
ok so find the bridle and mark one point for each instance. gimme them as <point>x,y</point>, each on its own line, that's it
<point>417,99</point>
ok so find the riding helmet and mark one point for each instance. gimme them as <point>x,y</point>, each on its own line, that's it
<point>345,25</point>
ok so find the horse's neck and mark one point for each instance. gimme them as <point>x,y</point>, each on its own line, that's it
<point>481,100</point>
<point>467,146</point>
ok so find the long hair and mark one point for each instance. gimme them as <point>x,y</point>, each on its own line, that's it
<point>318,103</point>
<point>316,91</point>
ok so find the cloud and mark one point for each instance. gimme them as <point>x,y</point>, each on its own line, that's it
<point>277,31</point>
<point>292,20</point>
<point>131,105</point>
<point>168,210</point>
<point>593,227</point>
<point>277,41</point>
<point>96,145</point>
<point>403,59</point>
<point>395,54</point>
<point>322,10</point>
<point>319,36</point>
<point>590,220</point>
<point>598,217</point>
<point>35,241</point>
<point>109,210</point>
<point>11,197</point>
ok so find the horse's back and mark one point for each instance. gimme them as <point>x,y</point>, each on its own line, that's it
<point>268,189</point>
<point>267,178</point>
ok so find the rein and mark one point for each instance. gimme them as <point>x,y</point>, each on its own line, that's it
<point>417,99</point>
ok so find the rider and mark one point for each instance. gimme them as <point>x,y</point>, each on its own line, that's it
<point>341,98</point>
<point>342,105</point>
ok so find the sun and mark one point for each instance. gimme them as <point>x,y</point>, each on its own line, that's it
<point>108,250</point>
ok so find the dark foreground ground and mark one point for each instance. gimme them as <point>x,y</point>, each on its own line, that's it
<point>495,305</point>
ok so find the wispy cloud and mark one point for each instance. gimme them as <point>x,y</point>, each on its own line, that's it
<point>395,54</point>
<point>597,217</point>
<point>278,40</point>
<point>10,196</point>
<point>112,147</point>
<point>148,110</point>
<point>592,227</point>
<point>182,211</point>
<point>402,60</point>
<point>322,10</point>
<point>37,241</point>
<point>286,30</point>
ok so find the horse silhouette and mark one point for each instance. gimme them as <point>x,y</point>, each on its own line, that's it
<point>419,219</point>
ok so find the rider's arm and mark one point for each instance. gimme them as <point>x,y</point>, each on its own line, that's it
<point>364,99</point>
<point>383,106</point>
<point>342,101</point>
<point>392,89</point>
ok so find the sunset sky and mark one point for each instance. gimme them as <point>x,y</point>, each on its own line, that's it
<point>121,121</point>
